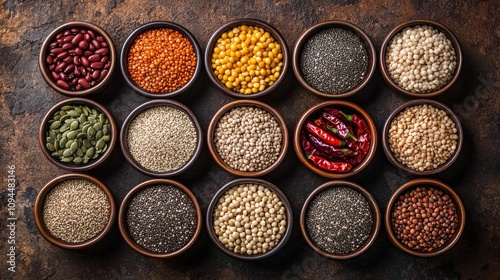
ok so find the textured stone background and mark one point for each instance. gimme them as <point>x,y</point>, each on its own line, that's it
<point>24,99</point>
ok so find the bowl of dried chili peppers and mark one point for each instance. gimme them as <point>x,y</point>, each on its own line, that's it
<point>335,139</point>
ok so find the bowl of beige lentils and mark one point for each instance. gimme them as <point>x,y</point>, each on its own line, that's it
<point>422,137</point>
<point>246,58</point>
<point>74,211</point>
<point>249,219</point>
<point>247,138</point>
<point>161,138</point>
<point>420,58</point>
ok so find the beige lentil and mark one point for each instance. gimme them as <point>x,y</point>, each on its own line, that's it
<point>162,138</point>
<point>76,210</point>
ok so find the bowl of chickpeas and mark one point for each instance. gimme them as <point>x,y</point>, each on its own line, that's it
<point>246,58</point>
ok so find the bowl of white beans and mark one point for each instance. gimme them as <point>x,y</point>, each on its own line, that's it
<point>420,59</point>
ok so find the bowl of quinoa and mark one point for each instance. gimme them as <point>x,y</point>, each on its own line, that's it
<point>161,138</point>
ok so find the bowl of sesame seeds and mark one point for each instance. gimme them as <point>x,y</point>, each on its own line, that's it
<point>334,59</point>
<point>422,137</point>
<point>420,59</point>
<point>161,138</point>
<point>340,220</point>
<point>160,59</point>
<point>246,58</point>
<point>74,211</point>
<point>247,138</point>
<point>160,218</point>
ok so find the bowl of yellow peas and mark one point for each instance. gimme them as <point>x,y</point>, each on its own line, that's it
<point>246,58</point>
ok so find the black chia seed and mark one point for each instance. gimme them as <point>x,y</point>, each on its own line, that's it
<point>334,60</point>
<point>161,218</point>
<point>339,220</point>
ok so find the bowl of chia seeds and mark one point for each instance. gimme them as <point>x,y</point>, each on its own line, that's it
<point>74,211</point>
<point>334,59</point>
<point>160,218</point>
<point>340,220</point>
<point>161,138</point>
<point>77,134</point>
<point>420,59</point>
<point>247,138</point>
<point>425,217</point>
<point>249,219</point>
<point>422,137</point>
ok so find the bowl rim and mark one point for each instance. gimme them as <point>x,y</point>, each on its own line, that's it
<point>150,104</point>
<point>267,184</point>
<point>76,101</point>
<point>336,103</point>
<point>157,25</point>
<point>440,27</point>
<point>373,207</point>
<point>434,183</point>
<point>385,138</point>
<point>122,216</point>
<point>251,22</point>
<point>250,103</point>
<point>362,35</point>
<point>42,63</point>
<point>40,202</point>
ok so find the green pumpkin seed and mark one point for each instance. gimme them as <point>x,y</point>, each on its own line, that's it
<point>50,140</point>
<point>87,144</point>
<point>67,159</point>
<point>56,145</point>
<point>81,136</point>
<point>106,138</point>
<point>64,118</point>
<point>85,110</point>
<point>100,144</point>
<point>79,152</point>
<point>78,160</point>
<point>72,135</point>
<point>50,147</point>
<point>105,148</point>
<point>55,125</point>
<point>94,112</point>
<point>84,150</point>
<point>97,126</point>
<point>102,118</point>
<point>69,120</point>
<point>85,159</point>
<point>67,153</point>
<point>98,134</point>
<point>74,113</point>
<point>68,144</point>
<point>85,128</point>
<point>78,109</point>
<point>82,118</point>
<point>74,146</point>
<point>63,142</point>
<point>57,118</point>
<point>63,128</point>
<point>65,134</point>
<point>90,152</point>
<point>91,132</point>
<point>105,129</point>
<point>74,125</point>
<point>53,134</point>
<point>92,120</point>
<point>95,156</point>
<point>66,108</point>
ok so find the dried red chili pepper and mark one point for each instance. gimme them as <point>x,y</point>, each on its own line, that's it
<point>323,135</point>
<point>344,131</point>
<point>363,133</point>
<point>316,157</point>
<point>351,143</point>
<point>331,153</point>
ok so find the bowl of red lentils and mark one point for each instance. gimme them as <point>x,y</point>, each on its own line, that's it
<point>160,60</point>
<point>422,137</point>
<point>420,59</point>
<point>246,58</point>
<point>161,138</point>
<point>77,59</point>
<point>74,211</point>
<point>334,59</point>
<point>160,218</point>
<point>249,219</point>
<point>247,138</point>
<point>425,217</point>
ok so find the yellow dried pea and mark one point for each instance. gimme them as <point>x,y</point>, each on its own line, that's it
<point>247,59</point>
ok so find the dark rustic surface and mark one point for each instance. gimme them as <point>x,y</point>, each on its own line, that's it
<point>25,98</point>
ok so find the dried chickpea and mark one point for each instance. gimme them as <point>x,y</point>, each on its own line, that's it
<point>247,59</point>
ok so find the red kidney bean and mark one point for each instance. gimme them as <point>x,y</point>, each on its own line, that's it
<point>53,44</point>
<point>85,61</point>
<point>86,37</point>
<point>63,76</point>
<point>77,39</point>
<point>50,59</point>
<point>67,46</point>
<point>93,83</point>
<point>95,75</point>
<point>83,70</point>
<point>60,66</point>
<point>67,32</point>
<point>60,35</point>
<point>83,45</point>
<point>95,43</point>
<point>68,39</point>
<point>88,77</point>
<point>74,81</point>
<point>102,51</point>
<point>104,59</point>
<point>91,48</point>
<point>68,59</point>
<point>52,67</point>
<point>77,71</point>
<point>103,75</point>
<point>75,30</point>
<point>62,84</point>
<point>54,75</point>
<point>83,83</point>
<point>104,45</point>
<point>76,61</point>
<point>107,65</point>
<point>94,57</point>
<point>56,51</point>
<point>96,65</point>
<point>88,53</point>
<point>91,33</point>
<point>69,68</point>
<point>62,55</point>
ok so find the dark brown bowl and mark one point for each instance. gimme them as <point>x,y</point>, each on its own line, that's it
<point>394,161</point>
<point>399,28</point>
<point>122,219</point>
<point>257,257</point>
<point>250,22</point>
<point>155,25</point>
<point>340,104</point>
<point>304,38</point>
<point>40,202</point>
<point>140,109</point>
<point>72,166</point>
<point>375,214</point>
<point>46,74</point>
<point>251,103</point>
<point>433,183</point>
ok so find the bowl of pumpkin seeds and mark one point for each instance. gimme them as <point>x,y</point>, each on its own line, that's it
<point>77,134</point>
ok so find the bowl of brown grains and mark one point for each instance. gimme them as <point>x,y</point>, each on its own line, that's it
<point>420,58</point>
<point>340,220</point>
<point>249,219</point>
<point>74,211</point>
<point>160,59</point>
<point>247,138</point>
<point>422,137</point>
<point>77,134</point>
<point>161,138</point>
<point>425,217</point>
<point>246,58</point>
<point>160,218</point>
<point>77,59</point>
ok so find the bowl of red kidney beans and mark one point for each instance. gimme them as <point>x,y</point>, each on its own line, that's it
<point>335,139</point>
<point>77,59</point>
